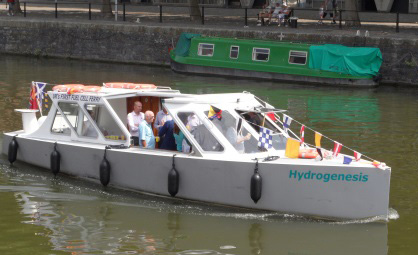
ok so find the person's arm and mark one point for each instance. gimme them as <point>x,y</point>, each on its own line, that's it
<point>157,120</point>
<point>131,123</point>
<point>141,135</point>
<point>162,130</point>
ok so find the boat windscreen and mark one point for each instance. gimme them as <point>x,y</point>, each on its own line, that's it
<point>200,132</point>
<point>236,132</point>
<point>105,122</point>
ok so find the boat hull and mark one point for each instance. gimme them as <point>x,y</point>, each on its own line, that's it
<point>238,73</point>
<point>220,181</point>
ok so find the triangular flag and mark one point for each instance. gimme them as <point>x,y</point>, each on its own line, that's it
<point>302,134</point>
<point>318,137</point>
<point>214,113</point>
<point>319,150</point>
<point>337,149</point>
<point>347,160</point>
<point>271,116</point>
<point>292,148</point>
<point>357,155</point>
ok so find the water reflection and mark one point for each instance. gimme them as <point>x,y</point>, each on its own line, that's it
<point>82,218</point>
<point>380,123</point>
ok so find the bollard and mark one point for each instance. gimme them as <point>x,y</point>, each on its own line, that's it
<point>161,14</point>
<point>203,15</point>
<point>56,10</point>
<point>124,18</point>
<point>89,11</point>
<point>24,9</point>
<point>397,22</point>
<point>246,17</point>
<point>341,20</point>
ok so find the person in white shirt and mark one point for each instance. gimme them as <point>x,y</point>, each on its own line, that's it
<point>134,120</point>
<point>161,118</point>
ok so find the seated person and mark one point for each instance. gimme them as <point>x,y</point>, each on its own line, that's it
<point>88,128</point>
<point>192,122</point>
<point>236,138</point>
<point>253,120</point>
<point>284,14</point>
<point>265,13</point>
<point>166,131</point>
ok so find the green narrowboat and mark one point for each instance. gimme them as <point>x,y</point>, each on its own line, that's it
<point>328,64</point>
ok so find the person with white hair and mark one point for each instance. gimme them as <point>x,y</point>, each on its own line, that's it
<point>146,135</point>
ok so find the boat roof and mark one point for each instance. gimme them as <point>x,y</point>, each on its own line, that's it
<point>252,42</point>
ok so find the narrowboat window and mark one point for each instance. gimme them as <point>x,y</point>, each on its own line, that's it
<point>234,52</point>
<point>105,122</point>
<point>297,57</point>
<point>205,49</point>
<point>60,126</point>
<point>260,54</point>
<point>200,132</point>
<point>236,134</point>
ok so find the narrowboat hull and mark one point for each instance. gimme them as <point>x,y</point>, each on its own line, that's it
<point>239,73</point>
<point>285,184</point>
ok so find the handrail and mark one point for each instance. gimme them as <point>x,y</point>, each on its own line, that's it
<point>131,9</point>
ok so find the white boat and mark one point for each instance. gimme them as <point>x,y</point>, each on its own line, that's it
<point>214,171</point>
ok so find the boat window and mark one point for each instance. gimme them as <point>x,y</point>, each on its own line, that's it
<point>76,118</point>
<point>234,52</point>
<point>297,57</point>
<point>200,132</point>
<point>205,49</point>
<point>236,134</point>
<point>256,120</point>
<point>105,122</point>
<point>260,54</point>
<point>60,126</point>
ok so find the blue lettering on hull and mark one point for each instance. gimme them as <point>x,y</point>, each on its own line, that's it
<point>309,175</point>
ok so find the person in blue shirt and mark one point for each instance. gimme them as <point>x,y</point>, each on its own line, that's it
<point>166,131</point>
<point>146,136</point>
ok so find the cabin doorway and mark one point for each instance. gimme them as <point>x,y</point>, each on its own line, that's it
<point>148,104</point>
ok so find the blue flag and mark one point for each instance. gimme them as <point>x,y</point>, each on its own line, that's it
<point>347,160</point>
<point>265,139</point>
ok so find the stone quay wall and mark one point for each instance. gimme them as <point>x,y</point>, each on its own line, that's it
<point>149,44</point>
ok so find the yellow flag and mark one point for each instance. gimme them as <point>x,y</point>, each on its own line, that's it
<point>292,148</point>
<point>318,137</point>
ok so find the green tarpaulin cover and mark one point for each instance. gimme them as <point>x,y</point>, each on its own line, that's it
<point>183,45</point>
<point>358,61</point>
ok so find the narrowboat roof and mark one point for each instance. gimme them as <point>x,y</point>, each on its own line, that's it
<point>258,42</point>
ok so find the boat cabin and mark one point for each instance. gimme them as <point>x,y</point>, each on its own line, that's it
<point>101,118</point>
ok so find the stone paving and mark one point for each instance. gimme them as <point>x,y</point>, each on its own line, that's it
<point>377,24</point>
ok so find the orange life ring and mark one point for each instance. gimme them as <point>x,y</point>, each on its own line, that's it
<point>92,88</point>
<point>148,86</point>
<point>118,85</point>
<point>128,85</point>
<point>66,87</point>
<point>308,153</point>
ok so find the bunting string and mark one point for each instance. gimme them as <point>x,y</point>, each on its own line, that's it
<point>357,155</point>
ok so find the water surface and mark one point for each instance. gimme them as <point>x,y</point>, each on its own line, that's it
<point>45,215</point>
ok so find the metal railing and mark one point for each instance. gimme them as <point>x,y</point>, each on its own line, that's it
<point>131,10</point>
